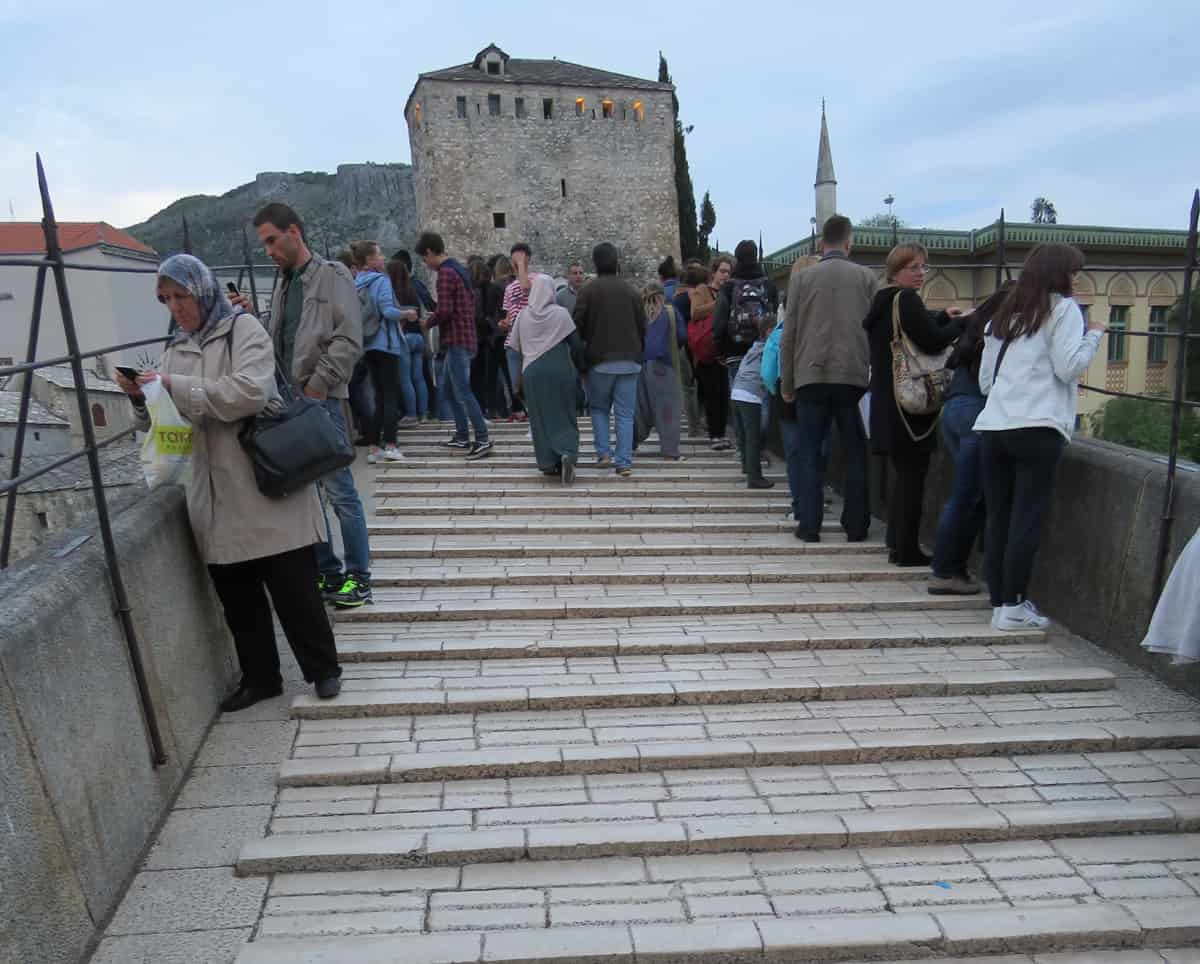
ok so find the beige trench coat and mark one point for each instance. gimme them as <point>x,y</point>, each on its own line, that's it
<point>214,388</point>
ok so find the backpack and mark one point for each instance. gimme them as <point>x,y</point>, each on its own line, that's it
<point>371,318</point>
<point>770,360</point>
<point>748,306</point>
<point>700,330</point>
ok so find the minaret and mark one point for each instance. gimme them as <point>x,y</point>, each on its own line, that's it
<point>826,184</point>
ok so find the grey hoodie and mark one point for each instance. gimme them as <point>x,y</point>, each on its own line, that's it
<point>749,374</point>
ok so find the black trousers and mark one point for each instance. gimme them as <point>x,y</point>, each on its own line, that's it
<point>385,376</point>
<point>713,385</point>
<point>1018,481</point>
<point>904,504</point>
<point>291,579</point>
<point>747,420</point>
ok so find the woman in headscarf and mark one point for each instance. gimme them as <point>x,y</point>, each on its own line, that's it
<point>220,370</point>
<point>551,358</point>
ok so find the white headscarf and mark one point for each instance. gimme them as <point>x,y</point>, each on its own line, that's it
<point>541,324</point>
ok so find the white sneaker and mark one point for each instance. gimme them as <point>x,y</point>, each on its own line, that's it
<point>995,615</point>
<point>1021,617</point>
<point>393,454</point>
<point>372,455</point>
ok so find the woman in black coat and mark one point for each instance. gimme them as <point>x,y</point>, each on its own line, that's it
<point>929,331</point>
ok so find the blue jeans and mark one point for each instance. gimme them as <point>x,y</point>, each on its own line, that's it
<point>618,393</point>
<point>463,402</point>
<point>413,392</point>
<point>963,515</point>
<point>341,493</point>
<point>804,441</point>
<point>441,389</point>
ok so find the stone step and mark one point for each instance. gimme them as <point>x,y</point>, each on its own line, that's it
<point>562,502</point>
<point>488,472</point>
<point>408,642</point>
<point>438,522</point>
<point>664,570</point>
<point>610,487</point>
<point>547,547</point>
<point>367,850</point>
<point>823,742</point>
<point>578,602</point>
<point>718,463</point>
<point>384,697</point>
<point>679,908</point>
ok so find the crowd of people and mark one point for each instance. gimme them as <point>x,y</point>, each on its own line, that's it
<point>498,339</point>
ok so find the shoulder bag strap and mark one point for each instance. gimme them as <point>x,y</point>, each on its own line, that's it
<point>999,359</point>
<point>282,382</point>
<point>898,336</point>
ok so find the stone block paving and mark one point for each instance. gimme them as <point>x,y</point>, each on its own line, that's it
<point>637,720</point>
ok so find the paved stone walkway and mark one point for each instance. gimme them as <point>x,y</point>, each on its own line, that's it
<point>638,721</point>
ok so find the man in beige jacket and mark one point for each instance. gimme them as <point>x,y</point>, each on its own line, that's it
<point>824,368</point>
<point>316,328</point>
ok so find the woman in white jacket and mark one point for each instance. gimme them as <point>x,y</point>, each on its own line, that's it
<point>1037,349</point>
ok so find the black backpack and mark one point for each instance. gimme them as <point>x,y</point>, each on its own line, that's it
<point>747,309</point>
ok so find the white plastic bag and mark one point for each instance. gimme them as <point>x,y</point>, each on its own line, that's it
<point>167,448</point>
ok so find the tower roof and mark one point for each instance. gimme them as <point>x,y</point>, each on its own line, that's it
<point>824,154</point>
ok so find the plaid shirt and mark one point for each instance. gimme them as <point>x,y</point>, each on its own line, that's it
<point>455,312</point>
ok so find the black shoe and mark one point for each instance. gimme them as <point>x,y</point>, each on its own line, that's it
<point>568,472</point>
<point>480,450</point>
<point>919,560</point>
<point>330,586</point>
<point>246,695</point>
<point>355,591</point>
<point>455,443</point>
<point>327,689</point>
<point>807,536</point>
<point>362,442</point>
<point>759,483</point>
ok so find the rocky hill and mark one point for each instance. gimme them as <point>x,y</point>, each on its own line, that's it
<point>359,201</point>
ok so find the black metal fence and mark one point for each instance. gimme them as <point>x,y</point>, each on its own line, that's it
<point>54,265</point>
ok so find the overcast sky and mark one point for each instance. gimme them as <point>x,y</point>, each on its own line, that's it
<point>955,108</point>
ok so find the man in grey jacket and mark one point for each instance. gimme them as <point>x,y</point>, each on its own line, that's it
<point>316,327</point>
<point>824,368</point>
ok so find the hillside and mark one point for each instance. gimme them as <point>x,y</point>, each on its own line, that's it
<point>359,201</point>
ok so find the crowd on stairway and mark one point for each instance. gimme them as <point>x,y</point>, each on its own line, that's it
<point>719,352</point>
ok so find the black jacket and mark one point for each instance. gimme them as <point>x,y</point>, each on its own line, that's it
<point>611,320</point>
<point>930,331</point>
<point>724,308</point>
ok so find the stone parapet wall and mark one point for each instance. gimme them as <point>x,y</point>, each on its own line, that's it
<point>79,798</point>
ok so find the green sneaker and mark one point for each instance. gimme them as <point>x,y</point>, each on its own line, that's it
<point>329,586</point>
<point>355,592</point>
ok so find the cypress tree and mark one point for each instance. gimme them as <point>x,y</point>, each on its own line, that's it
<point>686,195</point>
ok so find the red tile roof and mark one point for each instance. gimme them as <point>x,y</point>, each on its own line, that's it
<point>25,237</point>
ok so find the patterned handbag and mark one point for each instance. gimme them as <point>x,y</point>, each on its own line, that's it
<point>919,379</point>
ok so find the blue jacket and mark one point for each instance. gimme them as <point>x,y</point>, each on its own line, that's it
<point>389,337</point>
<point>658,348</point>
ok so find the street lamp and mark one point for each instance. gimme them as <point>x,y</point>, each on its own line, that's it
<point>889,201</point>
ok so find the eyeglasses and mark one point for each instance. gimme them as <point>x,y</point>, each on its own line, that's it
<point>922,268</point>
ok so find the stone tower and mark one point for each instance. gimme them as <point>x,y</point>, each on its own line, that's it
<point>556,154</point>
<point>826,184</point>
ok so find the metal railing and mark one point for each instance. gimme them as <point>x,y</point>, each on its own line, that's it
<point>54,264</point>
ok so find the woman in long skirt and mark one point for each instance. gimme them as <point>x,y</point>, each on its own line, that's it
<point>552,357</point>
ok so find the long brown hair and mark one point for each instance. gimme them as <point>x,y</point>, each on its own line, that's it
<point>969,346</point>
<point>402,286</point>
<point>1048,270</point>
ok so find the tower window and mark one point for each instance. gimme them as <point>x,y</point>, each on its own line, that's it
<point>639,112</point>
<point>547,108</point>
<point>493,68</point>
<point>580,104</point>
<point>460,106</point>
<point>519,107</point>
<point>99,419</point>
<point>563,185</point>
<point>499,220</point>
<point>607,107</point>
<point>494,105</point>
<point>417,114</point>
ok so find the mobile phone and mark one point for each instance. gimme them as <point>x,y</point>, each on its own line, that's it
<point>233,289</point>
<point>130,373</point>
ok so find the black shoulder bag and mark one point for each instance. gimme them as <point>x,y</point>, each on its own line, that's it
<point>295,447</point>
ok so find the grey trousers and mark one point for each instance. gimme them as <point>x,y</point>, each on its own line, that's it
<point>659,405</point>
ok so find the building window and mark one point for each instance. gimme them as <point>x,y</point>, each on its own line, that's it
<point>639,112</point>
<point>607,107</point>
<point>99,419</point>
<point>37,436</point>
<point>460,105</point>
<point>417,114</point>
<point>1118,324</point>
<point>563,185</point>
<point>519,107</point>
<point>499,220</point>
<point>43,520</point>
<point>494,68</point>
<point>1157,350</point>
<point>494,105</point>
<point>580,106</point>
<point>547,108</point>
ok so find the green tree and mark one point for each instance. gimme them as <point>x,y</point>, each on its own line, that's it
<point>685,193</point>
<point>1043,211</point>
<point>1146,425</point>
<point>881,220</point>
<point>708,221</point>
